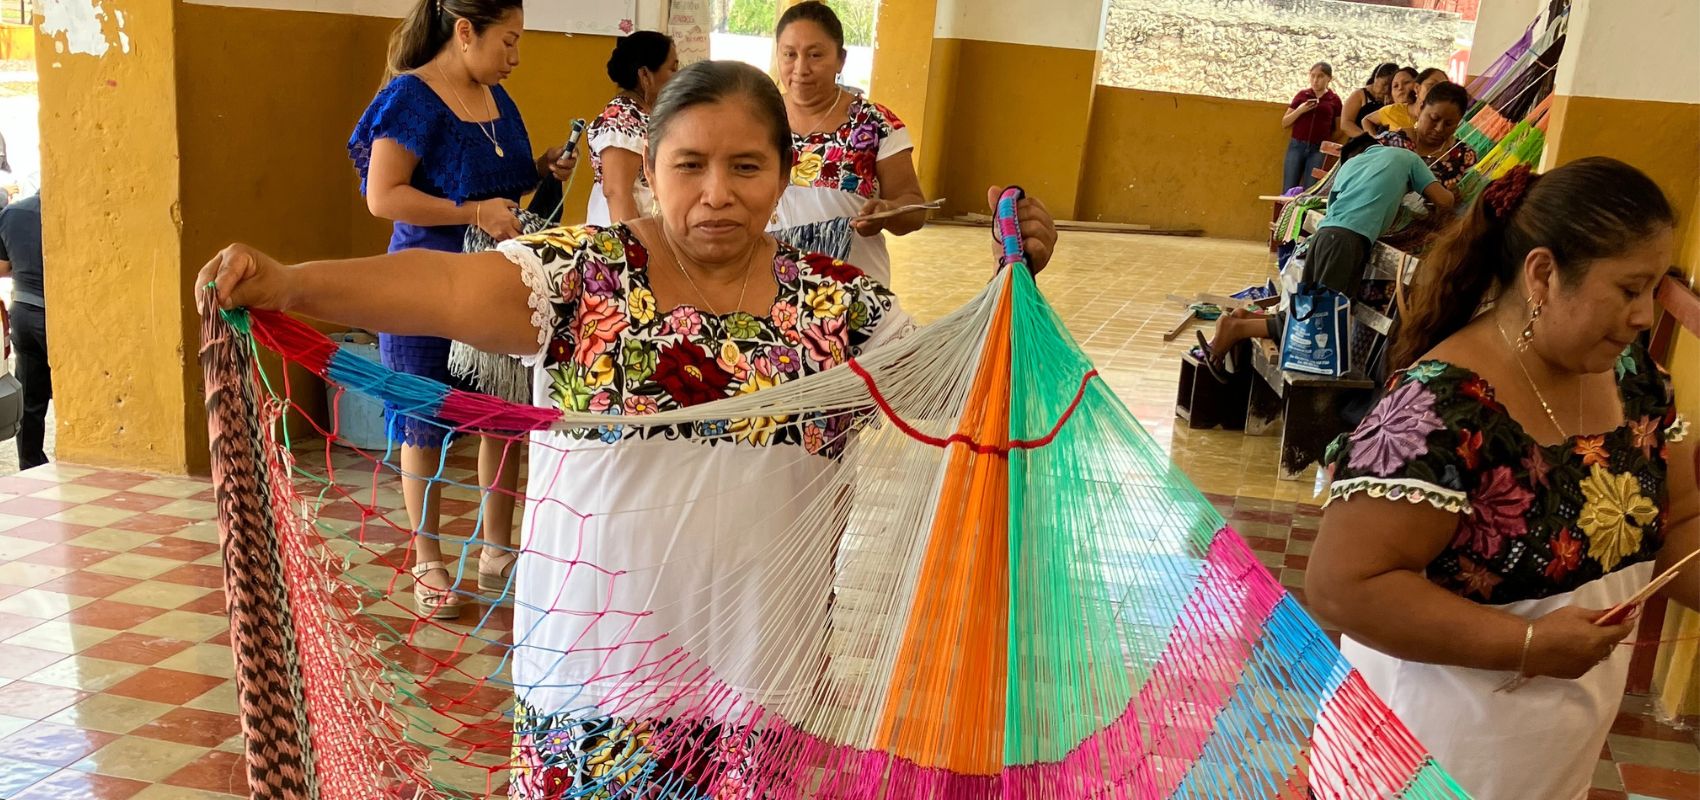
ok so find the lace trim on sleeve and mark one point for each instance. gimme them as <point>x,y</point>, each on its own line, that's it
<point>536,277</point>
<point>1411,491</point>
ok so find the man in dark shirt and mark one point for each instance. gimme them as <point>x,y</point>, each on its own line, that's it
<point>20,257</point>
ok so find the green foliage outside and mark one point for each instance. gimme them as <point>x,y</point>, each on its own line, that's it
<point>756,18</point>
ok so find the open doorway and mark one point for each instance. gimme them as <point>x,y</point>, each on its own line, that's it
<point>743,31</point>
<point>20,134</point>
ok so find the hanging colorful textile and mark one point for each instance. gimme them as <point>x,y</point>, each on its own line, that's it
<point>991,583</point>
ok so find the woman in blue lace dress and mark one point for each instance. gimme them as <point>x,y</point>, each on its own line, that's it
<point>442,147</point>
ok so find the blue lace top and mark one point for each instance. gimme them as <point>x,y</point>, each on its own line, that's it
<point>456,159</point>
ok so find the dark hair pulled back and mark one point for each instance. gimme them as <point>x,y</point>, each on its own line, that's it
<point>426,29</point>
<point>817,12</point>
<point>635,51</point>
<point>1387,70</point>
<point>1586,210</point>
<point>707,82</point>
<point>1448,92</point>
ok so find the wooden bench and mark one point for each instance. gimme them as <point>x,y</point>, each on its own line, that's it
<point>1304,406</point>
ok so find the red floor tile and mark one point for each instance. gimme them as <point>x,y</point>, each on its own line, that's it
<point>192,726</point>
<point>74,785</point>
<point>113,615</point>
<point>20,485</point>
<point>55,745</point>
<point>217,771</point>
<point>1596,793</point>
<point>47,530</point>
<point>1659,782</point>
<point>1295,561</point>
<point>152,523</point>
<point>120,481</point>
<point>35,701</point>
<point>164,686</point>
<point>202,575</point>
<point>88,584</point>
<point>66,555</point>
<point>19,662</point>
<point>206,496</point>
<point>176,549</point>
<point>206,604</point>
<point>34,507</point>
<point>134,648</point>
<point>1266,544</point>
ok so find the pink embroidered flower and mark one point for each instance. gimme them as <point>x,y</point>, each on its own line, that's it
<point>638,405</point>
<point>600,402</point>
<point>1395,432</point>
<point>814,438</point>
<point>598,325</point>
<point>827,342</point>
<point>683,320</point>
<point>1499,503</point>
<point>784,315</point>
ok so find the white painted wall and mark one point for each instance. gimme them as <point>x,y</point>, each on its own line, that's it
<point>1632,50</point>
<point>1498,24</point>
<point>1073,24</point>
<point>650,13</point>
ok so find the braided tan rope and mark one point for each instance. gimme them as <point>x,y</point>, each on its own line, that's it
<point>268,673</point>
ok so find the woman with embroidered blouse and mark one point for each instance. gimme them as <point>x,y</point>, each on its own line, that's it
<point>854,157</point>
<point>641,64</point>
<point>693,305</point>
<point>442,147</point>
<point>1525,472</point>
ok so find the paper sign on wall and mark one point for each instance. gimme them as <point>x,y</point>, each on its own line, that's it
<point>688,22</point>
<point>607,17</point>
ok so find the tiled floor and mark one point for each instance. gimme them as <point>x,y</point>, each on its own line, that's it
<point>114,665</point>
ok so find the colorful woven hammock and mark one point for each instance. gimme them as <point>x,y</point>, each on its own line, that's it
<point>1028,600</point>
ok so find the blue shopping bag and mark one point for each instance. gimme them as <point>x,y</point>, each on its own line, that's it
<point>1319,321</point>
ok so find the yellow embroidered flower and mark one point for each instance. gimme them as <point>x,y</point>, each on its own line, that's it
<point>827,301</point>
<point>601,372</point>
<point>620,758</point>
<point>564,238</point>
<point>807,169</point>
<point>640,303</point>
<point>1612,515</point>
<point>758,430</point>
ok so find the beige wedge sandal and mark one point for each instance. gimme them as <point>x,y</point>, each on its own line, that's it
<point>432,602</point>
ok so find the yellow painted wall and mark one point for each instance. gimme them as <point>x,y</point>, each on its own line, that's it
<point>1017,114</point>
<point>903,41</point>
<point>243,116</point>
<point>122,350</point>
<point>1660,138</point>
<point>1176,160</point>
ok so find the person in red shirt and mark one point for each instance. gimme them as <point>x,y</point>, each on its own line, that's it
<point>1311,117</point>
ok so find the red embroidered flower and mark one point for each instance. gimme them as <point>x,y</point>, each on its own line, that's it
<point>690,375</point>
<point>1476,578</point>
<point>1481,391</point>
<point>832,269</point>
<point>1566,555</point>
<point>637,256</point>
<point>1592,449</point>
<point>1498,505</point>
<point>1470,449</point>
<point>560,350</point>
<point>1535,463</point>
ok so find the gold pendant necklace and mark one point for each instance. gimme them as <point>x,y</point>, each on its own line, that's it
<point>1551,417</point>
<point>488,134</point>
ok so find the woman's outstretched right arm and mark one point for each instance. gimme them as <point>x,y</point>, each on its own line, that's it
<point>478,299</point>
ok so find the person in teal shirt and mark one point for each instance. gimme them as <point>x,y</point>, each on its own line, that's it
<point>1361,208</point>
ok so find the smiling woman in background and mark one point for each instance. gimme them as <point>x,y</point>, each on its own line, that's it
<point>853,157</point>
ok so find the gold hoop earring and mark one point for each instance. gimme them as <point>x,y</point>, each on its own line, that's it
<point>1527,337</point>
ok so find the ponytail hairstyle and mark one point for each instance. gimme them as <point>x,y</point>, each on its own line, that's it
<point>426,29</point>
<point>1431,72</point>
<point>1387,70</point>
<point>635,51</point>
<point>1586,210</point>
